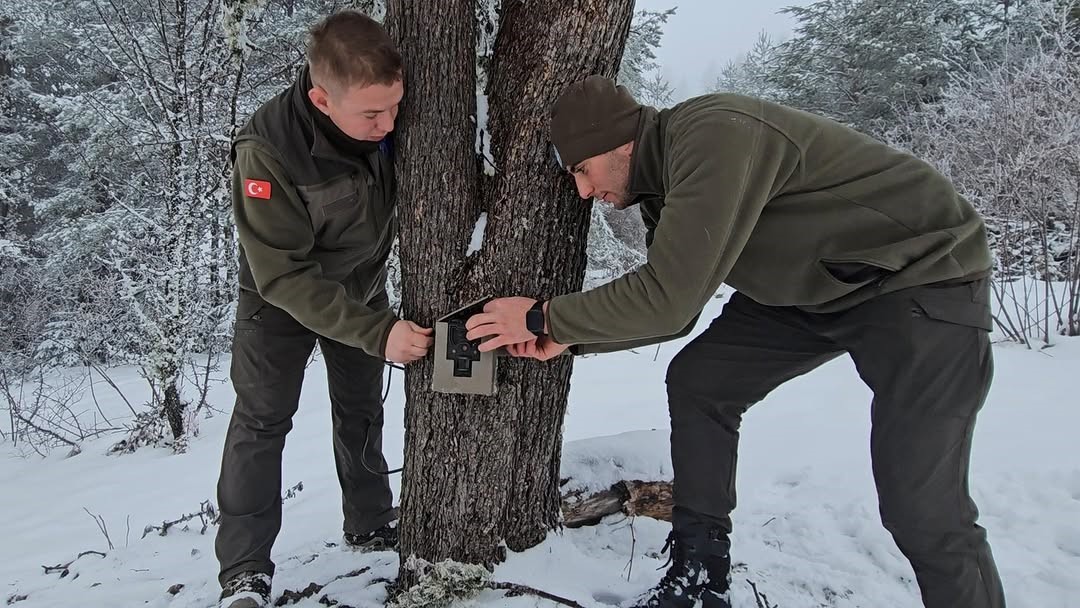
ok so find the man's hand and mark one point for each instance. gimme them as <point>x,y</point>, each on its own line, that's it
<point>408,342</point>
<point>503,318</point>
<point>540,349</point>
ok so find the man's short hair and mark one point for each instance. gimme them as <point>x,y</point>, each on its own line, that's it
<point>349,48</point>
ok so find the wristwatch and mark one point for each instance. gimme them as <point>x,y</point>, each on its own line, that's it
<point>534,319</point>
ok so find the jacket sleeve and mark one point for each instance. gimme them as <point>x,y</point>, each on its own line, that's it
<point>723,167</point>
<point>277,238</point>
<point>610,347</point>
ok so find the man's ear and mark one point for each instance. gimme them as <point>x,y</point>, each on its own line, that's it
<point>319,98</point>
<point>626,149</point>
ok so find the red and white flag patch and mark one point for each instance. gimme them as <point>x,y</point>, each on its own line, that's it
<point>257,188</point>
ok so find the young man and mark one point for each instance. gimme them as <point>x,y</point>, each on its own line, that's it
<point>312,182</point>
<point>836,244</point>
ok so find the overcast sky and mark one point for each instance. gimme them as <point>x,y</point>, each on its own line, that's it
<point>703,35</point>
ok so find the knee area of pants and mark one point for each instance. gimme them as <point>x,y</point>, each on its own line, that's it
<point>716,402</point>
<point>931,541</point>
<point>928,526</point>
<point>685,374</point>
<point>264,423</point>
<point>677,370</point>
<point>687,377</point>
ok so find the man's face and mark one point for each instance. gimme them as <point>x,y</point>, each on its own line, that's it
<point>363,112</point>
<point>605,176</point>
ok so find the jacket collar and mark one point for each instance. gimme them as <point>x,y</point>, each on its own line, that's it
<point>647,159</point>
<point>322,143</point>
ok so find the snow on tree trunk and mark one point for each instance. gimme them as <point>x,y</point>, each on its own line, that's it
<point>481,472</point>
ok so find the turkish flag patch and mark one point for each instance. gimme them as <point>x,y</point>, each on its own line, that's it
<point>257,188</point>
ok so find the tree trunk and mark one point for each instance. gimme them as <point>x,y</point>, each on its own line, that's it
<point>481,471</point>
<point>6,24</point>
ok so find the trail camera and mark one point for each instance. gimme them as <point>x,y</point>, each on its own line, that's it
<point>460,367</point>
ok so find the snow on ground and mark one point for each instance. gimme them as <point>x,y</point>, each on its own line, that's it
<point>807,532</point>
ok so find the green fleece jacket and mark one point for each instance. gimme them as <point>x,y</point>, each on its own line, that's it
<point>315,220</point>
<point>787,207</point>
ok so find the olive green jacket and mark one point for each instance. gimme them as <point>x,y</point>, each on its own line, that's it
<point>317,242</point>
<point>789,208</point>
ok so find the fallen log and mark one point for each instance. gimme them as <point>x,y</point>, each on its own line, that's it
<point>646,498</point>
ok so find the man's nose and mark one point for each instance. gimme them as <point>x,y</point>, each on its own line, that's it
<point>385,122</point>
<point>584,188</point>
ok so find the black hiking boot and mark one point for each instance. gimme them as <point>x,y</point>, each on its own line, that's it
<point>697,576</point>
<point>246,590</point>
<point>380,539</point>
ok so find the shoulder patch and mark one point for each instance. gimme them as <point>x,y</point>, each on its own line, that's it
<point>257,188</point>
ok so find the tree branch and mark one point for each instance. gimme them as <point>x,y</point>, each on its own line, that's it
<point>514,589</point>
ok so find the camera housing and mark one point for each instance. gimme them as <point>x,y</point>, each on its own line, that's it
<point>459,366</point>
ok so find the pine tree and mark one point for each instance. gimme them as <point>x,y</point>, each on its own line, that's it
<point>639,71</point>
<point>753,74</point>
<point>859,61</point>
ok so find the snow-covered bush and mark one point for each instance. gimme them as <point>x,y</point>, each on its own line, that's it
<point>1008,136</point>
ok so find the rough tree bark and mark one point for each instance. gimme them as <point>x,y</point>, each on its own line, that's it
<point>482,471</point>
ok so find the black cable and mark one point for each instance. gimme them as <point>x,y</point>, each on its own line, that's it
<point>367,432</point>
<point>382,403</point>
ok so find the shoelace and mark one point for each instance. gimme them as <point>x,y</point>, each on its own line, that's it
<point>668,544</point>
<point>676,560</point>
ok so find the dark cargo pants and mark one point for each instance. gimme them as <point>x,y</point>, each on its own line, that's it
<point>926,355</point>
<point>269,354</point>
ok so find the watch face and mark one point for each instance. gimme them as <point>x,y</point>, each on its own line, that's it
<point>534,321</point>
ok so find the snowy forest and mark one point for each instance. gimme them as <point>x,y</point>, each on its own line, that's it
<point>118,255</point>
<point>116,244</point>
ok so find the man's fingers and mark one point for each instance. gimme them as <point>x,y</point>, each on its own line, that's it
<point>421,341</point>
<point>417,352</point>
<point>480,319</point>
<point>483,331</point>
<point>494,343</point>
<point>420,329</point>
<point>523,349</point>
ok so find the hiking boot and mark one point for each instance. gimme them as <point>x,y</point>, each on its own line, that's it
<point>697,576</point>
<point>384,538</point>
<point>246,590</point>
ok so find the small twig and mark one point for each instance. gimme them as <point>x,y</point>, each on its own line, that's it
<point>293,491</point>
<point>207,514</point>
<point>100,521</point>
<point>633,545</point>
<point>759,598</point>
<point>112,384</point>
<point>93,394</point>
<point>771,519</point>
<point>514,590</point>
<point>63,568</point>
